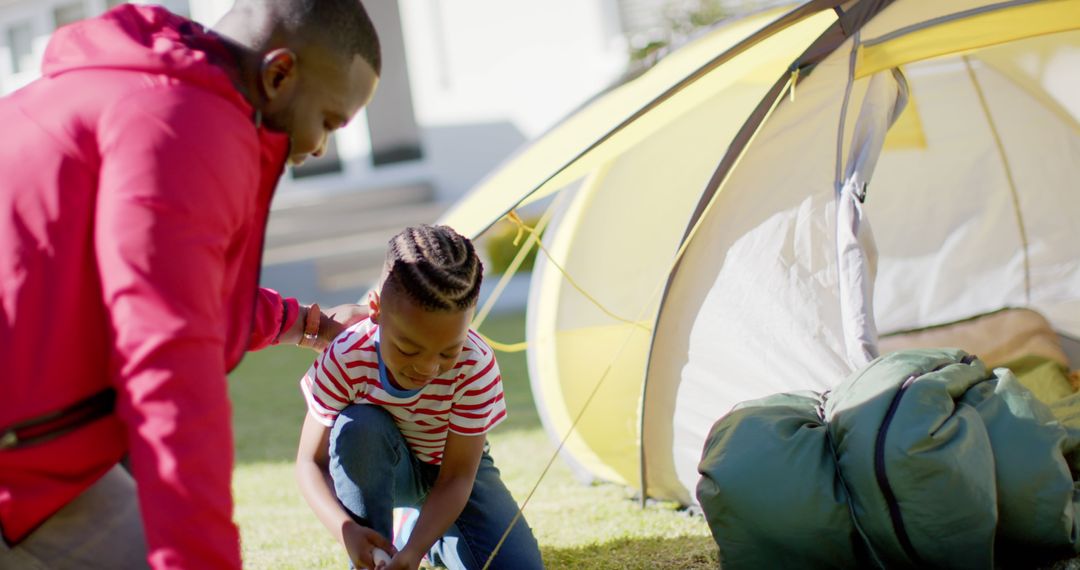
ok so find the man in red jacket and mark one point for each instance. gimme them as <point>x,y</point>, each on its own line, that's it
<point>137,175</point>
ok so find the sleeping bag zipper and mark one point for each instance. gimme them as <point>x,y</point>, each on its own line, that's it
<point>879,463</point>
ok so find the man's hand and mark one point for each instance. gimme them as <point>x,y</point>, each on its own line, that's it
<point>331,323</point>
<point>341,317</point>
<point>335,320</point>
<point>360,541</point>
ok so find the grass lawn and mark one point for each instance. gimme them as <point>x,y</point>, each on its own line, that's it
<point>578,526</point>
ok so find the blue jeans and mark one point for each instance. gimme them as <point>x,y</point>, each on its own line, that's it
<point>374,471</point>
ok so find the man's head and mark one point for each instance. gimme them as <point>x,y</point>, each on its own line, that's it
<point>319,64</point>
<point>430,285</point>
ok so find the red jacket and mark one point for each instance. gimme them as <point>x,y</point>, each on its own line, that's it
<point>134,192</point>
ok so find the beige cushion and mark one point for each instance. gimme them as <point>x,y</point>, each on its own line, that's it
<point>996,337</point>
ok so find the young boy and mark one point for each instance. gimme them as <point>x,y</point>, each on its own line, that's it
<point>398,408</point>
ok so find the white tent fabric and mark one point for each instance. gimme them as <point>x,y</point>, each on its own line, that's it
<point>856,252</point>
<point>572,339</point>
<point>992,191</point>
<point>945,224</point>
<point>761,281</point>
<point>718,242</point>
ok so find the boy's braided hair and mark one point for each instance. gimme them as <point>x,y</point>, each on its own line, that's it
<point>435,266</point>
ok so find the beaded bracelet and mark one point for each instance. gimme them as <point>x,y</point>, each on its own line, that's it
<point>312,322</point>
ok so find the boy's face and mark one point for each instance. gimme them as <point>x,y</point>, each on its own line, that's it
<point>417,345</point>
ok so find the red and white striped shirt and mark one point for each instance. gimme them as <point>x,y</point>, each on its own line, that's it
<point>467,399</point>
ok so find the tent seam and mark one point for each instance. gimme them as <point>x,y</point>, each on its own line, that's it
<point>1020,226</point>
<point>838,175</point>
<point>947,18</point>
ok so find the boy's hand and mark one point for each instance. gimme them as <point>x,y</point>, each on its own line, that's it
<point>404,560</point>
<point>360,541</point>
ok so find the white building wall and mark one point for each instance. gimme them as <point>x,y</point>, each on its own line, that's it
<point>518,60</point>
<point>39,15</point>
<point>486,76</point>
<point>208,12</point>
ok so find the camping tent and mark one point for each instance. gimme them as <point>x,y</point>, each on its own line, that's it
<point>710,236</point>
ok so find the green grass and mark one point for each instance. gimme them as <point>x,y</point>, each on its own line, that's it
<point>578,526</point>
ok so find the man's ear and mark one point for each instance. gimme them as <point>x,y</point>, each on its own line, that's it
<point>277,74</point>
<point>373,306</point>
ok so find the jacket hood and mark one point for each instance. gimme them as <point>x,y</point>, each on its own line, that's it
<point>142,38</point>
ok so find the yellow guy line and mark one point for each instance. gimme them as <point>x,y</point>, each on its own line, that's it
<point>534,238</point>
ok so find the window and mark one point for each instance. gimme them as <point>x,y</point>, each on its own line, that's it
<point>20,39</point>
<point>69,13</point>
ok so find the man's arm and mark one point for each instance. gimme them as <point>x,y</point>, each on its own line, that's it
<point>276,320</point>
<point>313,475</point>
<point>172,192</point>
<point>447,498</point>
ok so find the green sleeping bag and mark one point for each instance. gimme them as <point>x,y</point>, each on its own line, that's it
<point>923,458</point>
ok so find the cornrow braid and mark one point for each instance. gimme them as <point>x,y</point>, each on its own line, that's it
<point>435,266</point>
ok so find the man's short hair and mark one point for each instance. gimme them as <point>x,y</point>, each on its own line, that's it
<point>341,26</point>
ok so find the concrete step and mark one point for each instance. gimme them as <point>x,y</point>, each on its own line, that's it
<point>344,212</point>
<point>321,234</point>
<point>355,200</point>
<point>343,272</point>
<point>336,245</point>
<point>348,222</point>
<point>330,249</point>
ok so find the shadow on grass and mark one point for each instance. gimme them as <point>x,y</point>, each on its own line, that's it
<point>697,552</point>
<point>684,552</point>
<point>268,408</point>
